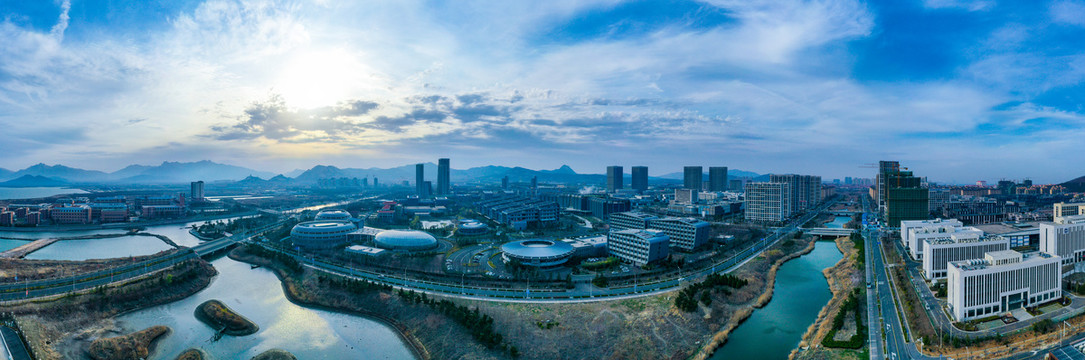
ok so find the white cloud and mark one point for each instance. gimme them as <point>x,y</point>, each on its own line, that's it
<point>970,5</point>
<point>1068,12</point>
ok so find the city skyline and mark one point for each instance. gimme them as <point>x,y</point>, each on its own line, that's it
<point>983,90</point>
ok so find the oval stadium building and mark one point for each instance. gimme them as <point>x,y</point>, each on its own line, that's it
<point>409,240</point>
<point>472,228</point>
<point>321,234</point>
<point>335,215</point>
<point>537,253</point>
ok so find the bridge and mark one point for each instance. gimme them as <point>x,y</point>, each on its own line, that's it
<point>829,231</point>
<point>88,281</point>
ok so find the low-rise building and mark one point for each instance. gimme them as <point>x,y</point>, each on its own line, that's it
<point>637,246</point>
<point>908,229</point>
<point>78,214</point>
<point>685,233</point>
<point>937,253</point>
<point>1065,237</point>
<point>1001,282</point>
<point>588,247</point>
<point>629,220</point>
<point>7,218</point>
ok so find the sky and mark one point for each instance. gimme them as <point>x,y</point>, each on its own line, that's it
<point>956,90</point>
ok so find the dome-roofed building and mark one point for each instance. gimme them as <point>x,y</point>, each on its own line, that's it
<point>409,240</point>
<point>538,253</point>
<point>321,234</point>
<point>333,214</point>
<point>471,228</point>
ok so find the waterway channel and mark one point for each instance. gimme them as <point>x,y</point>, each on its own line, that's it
<point>801,291</point>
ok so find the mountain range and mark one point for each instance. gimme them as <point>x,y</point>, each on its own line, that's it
<point>208,171</point>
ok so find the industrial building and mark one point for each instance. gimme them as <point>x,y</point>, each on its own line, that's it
<point>1001,282</point>
<point>639,247</point>
<point>1065,237</point>
<point>537,253</point>
<point>937,253</point>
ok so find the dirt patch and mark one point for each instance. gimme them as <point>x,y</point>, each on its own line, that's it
<point>136,345</point>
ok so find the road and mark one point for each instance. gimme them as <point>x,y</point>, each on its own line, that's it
<point>582,294</point>
<point>81,282</point>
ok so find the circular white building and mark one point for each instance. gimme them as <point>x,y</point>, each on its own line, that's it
<point>537,253</point>
<point>321,234</point>
<point>472,228</point>
<point>409,240</point>
<point>335,215</point>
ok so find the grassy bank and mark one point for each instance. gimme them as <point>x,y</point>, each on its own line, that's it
<point>48,322</point>
<point>843,278</point>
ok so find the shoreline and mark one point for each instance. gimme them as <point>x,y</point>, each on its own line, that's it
<point>413,343</point>
<point>740,316</point>
<point>87,227</point>
<point>817,329</point>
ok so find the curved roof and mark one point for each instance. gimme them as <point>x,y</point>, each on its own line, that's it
<point>324,226</point>
<point>538,249</point>
<point>333,215</point>
<point>473,225</point>
<point>403,239</point>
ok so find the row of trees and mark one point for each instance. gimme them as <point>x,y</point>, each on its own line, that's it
<point>481,326</point>
<point>355,286</point>
<point>287,261</point>
<point>687,298</point>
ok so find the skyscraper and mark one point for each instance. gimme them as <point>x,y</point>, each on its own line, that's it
<point>639,182</point>
<point>197,190</point>
<point>442,176</point>
<point>884,168</point>
<point>534,182</point>
<point>615,179</point>
<point>905,198</point>
<point>717,178</point>
<point>505,182</point>
<point>419,178</point>
<point>694,175</point>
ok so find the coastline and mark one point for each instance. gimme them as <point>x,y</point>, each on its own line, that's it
<point>743,314</point>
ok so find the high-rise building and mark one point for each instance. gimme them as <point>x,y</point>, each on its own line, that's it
<point>804,191</point>
<point>693,176</point>
<point>881,179</point>
<point>505,182</point>
<point>197,191</point>
<point>639,182</point>
<point>419,178</point>
<point>905,198</point>
<point>717,178</point>
<point>442,176</point>
<point>767,202</point>
<point>615,179</point>
<point>534,182</point>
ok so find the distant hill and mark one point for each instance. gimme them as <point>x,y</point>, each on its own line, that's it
<point>64,173</point>
<point>33,181</point>
<point>1075,185</point>
<point>5,174</point>
<point>183,172</point>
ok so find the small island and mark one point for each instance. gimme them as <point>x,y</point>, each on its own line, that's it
<point>192,354</point>
<point>275,354</point>
<point>217,315</point>
<point>136,345</point>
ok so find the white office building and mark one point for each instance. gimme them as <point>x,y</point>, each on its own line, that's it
<point>629,220</point>
<point>937,253</point>
<point>685,233</point>
<point>910,228</point>
<point>1065,237</point>
<point>1001,282</point>
<point>637,246</point>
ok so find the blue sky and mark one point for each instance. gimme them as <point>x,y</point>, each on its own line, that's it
<point>957,90</point>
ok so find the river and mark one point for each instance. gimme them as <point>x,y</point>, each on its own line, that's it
<point>104,248</point>
<point>258,295</point>
<point>801,291</point>
<point>838,222</point>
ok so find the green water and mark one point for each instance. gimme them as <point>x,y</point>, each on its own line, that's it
<point>801,291</point>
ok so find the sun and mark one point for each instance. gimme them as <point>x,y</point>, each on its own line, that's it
<point>322,78</point>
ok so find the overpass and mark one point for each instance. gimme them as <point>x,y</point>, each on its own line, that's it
<point>829,231</point>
